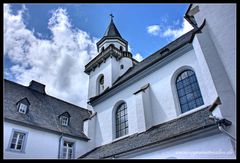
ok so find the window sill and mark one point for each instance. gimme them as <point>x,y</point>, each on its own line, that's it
<point>15,151</point>
<point>191,111</point>
<point>119,138</point>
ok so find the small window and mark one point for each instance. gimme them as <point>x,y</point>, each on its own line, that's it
<point>121,66</point>
<point>121,48</point>
<point>17,141</point>
<point>64,120</point>
<point>67,150</point>
<point>22,108</point>
<point>100,84</point>
<point>102,49</point>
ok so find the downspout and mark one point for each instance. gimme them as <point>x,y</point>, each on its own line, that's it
<point>59,146</point>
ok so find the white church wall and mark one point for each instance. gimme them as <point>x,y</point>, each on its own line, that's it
<point>105,69</point>
<point>162,99</point>
<point>214,147</point>
<point>39,144</point>
<point>221,21</point>
<point>127,63</point>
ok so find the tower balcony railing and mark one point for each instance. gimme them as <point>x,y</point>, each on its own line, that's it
<point>104,54</point>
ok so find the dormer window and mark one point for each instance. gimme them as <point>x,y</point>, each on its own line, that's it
<point>64,119</point>
<point>23,106</point>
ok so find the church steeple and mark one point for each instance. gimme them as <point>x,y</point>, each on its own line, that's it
<point>112,29</point>
<point>112,35</point>
<point>112,61</point>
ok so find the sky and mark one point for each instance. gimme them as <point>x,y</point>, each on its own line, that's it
<point>51,43</point>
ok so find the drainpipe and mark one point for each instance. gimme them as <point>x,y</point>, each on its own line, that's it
<point>59,146</point>
<point>221,125</point>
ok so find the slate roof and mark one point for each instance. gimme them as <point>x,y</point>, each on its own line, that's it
<point>149,61</point>
<point>112,30</point>
<point>156,135</point>
<point>43,111</point>
<point>111,33</point>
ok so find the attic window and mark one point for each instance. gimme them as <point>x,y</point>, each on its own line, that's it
<point>23,105</point>
<point>22,108</point>
<point>64,120</point>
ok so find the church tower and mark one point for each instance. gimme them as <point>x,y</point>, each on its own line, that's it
<point>112,61</point>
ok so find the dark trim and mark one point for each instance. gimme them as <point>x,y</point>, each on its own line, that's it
<point>215,104</point>
<point>143,88</point>
<point>111,37</point>
<point>44,129</point>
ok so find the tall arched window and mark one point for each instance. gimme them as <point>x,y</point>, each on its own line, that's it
<point>188,91</point>
<point>100,84</point>
<point>121,120</point>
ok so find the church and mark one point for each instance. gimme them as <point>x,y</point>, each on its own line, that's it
<point>178,103</point>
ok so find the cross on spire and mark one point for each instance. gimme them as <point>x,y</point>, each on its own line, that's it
<point>111,16</point>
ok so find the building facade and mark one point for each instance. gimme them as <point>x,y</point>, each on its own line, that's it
<point>177,103</point>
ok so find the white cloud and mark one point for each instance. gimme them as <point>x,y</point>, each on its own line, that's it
<point>138,57</point>
<point>153,30</point>
<point>175,33</point>
<point>169,32</point>
<point>57,62</point>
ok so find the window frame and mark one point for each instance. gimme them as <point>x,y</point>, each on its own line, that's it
<point>73,147</point>
<point>19,108</point>
<point>62,117</point>
<point>185,85</point>
<point>123,125</point>
<point>24,141</point>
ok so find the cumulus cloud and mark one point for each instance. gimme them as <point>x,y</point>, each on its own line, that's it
<point>138,57</point>
<point>57,62</point>
<point>153,29</point>
<point>175,33</point>
<point>170,32</point>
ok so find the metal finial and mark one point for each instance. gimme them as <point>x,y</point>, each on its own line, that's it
<point>111,16</point>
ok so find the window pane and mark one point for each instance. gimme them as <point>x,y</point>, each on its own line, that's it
<point>19,147</point>
<point>189,94</point>
<point>121,120</point>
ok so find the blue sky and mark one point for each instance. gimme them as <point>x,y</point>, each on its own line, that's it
<point>51,43</point>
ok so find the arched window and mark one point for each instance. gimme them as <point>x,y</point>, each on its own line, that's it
<point>121,48</point>
<point>121,120</point>
<point>112,45</point>
<point>188,91</point>
<point>100,84</point>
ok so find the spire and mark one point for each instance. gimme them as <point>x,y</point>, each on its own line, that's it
<point>112,30</point>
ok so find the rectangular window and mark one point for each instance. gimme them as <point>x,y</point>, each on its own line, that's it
<point>22,108</point>
<point>67,150</point>
<point>17,141</point>
<point>64,120</point>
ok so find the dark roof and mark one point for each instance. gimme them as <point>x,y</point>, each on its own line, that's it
<point>156,135</point>
<point>111,33</point>
<point>43,111</point>
<point>149,61</point>
<point>112,30</point>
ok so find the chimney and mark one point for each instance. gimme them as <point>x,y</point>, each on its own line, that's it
<point>37,86</point>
